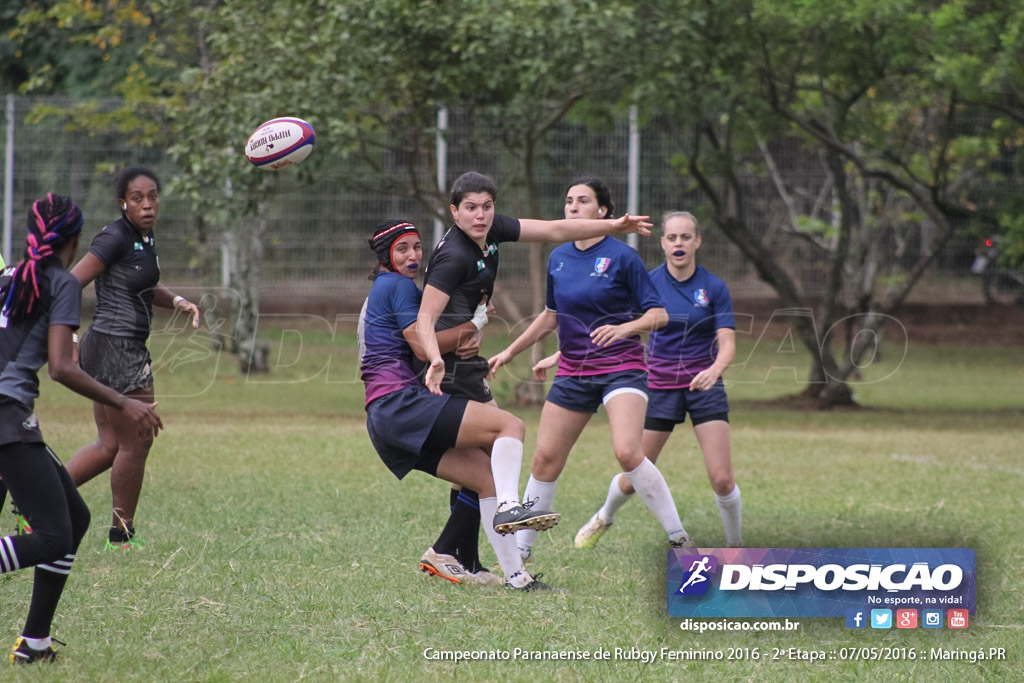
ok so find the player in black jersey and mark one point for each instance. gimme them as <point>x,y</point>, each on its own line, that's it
<point>459,280</point>
<point>40,312</point>
<point>122,260</point>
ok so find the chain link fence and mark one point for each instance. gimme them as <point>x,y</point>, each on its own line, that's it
<point>316,251</point>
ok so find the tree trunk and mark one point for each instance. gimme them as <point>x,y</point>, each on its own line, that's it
<point>529,392</point>
<point>245,247</point>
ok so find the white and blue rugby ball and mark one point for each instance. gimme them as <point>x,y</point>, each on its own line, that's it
<point>280,143</point>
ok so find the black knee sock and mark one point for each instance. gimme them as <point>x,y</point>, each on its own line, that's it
<point>46,591</point>
<point>448,542</point>
<point>467,509</point>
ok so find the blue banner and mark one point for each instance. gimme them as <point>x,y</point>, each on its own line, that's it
<point>817,582</point>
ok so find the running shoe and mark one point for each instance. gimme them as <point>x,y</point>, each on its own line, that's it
<point>23,654</point>
<point>444,566</point>
<point>524,517</point>
<point>589,534</point>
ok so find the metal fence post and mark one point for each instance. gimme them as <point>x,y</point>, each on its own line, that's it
<point>633,174</point>
<point>9,181</point>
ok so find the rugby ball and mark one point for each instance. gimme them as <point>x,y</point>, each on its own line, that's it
<point>280,143</point>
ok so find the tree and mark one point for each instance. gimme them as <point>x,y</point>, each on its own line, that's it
<point>898,155</point>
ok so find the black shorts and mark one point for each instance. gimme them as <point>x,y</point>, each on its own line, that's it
<point>18,423</point>
<point>467,378</point>
<point>121,363</point>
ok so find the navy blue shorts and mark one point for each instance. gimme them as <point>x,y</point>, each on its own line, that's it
<point>669,407</point>
<point>585,394</point>
<point>411,429</point>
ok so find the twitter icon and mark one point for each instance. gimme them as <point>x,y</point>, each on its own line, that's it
<point>881,618</point>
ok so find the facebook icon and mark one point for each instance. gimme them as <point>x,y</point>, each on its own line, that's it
<point>856,618</point>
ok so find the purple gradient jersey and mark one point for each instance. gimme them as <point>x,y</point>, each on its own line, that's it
<point>697,308</point>
<point>386,358</point>
<point>606,284</point>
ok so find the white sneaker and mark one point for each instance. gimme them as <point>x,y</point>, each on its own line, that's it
<point>591,532</point>
<point>445,566</point>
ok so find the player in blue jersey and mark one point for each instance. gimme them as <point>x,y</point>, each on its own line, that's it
<point>122,260</point>
<point>41,306</point>
<point>599,298</point>
<point>686,359</point>
<point>460,277</point>
<point>445,436</point>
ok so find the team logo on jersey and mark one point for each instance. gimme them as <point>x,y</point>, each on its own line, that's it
<point>138,246</point>
<point>700,297</point>
<point>491,249</point>
<point>695,579</point>
<point>600,266</point>
<point>480,265</point>
<point>31,423</point>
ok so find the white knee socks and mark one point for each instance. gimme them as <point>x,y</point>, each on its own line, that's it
<point>653,490</point>
<point>730,507</point>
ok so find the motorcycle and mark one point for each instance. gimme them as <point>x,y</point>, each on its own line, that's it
<point>999,284</point>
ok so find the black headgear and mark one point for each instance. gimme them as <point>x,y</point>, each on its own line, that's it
<point>384,237</point>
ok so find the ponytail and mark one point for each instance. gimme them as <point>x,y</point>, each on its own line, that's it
<point>51,223</point>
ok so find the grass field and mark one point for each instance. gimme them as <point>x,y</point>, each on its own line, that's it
<point>279,548</point>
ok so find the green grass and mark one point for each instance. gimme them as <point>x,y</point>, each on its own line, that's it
<point>280,548</point>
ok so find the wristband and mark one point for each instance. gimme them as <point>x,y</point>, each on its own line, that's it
<point>177,300</point>
<point>480,317</point>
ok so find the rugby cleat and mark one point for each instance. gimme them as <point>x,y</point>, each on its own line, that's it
<point>524,517</point>
<point>444,566</point>
<point>532,586</point>
<point>23,654</point>
<point>21,525</point>
<point>591,532</point>
<point>685,543</point>
<point>483,578</point>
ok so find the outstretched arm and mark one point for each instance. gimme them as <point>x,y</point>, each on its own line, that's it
<point>568,230</point>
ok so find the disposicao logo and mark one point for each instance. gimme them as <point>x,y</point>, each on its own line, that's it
<point>818,582</point>
<point>697,578</point>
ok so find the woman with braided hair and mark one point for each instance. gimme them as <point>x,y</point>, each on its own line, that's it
<point>41,306</point>
<point>122,260</point>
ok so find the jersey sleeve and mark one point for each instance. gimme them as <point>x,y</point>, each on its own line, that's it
<point>405,302</point>
<point>504,229</point>
<point>66,301</point>
<point>446,272</point>
<point>721,300</point>
<point>108,246</point>
<point>645,295</point>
